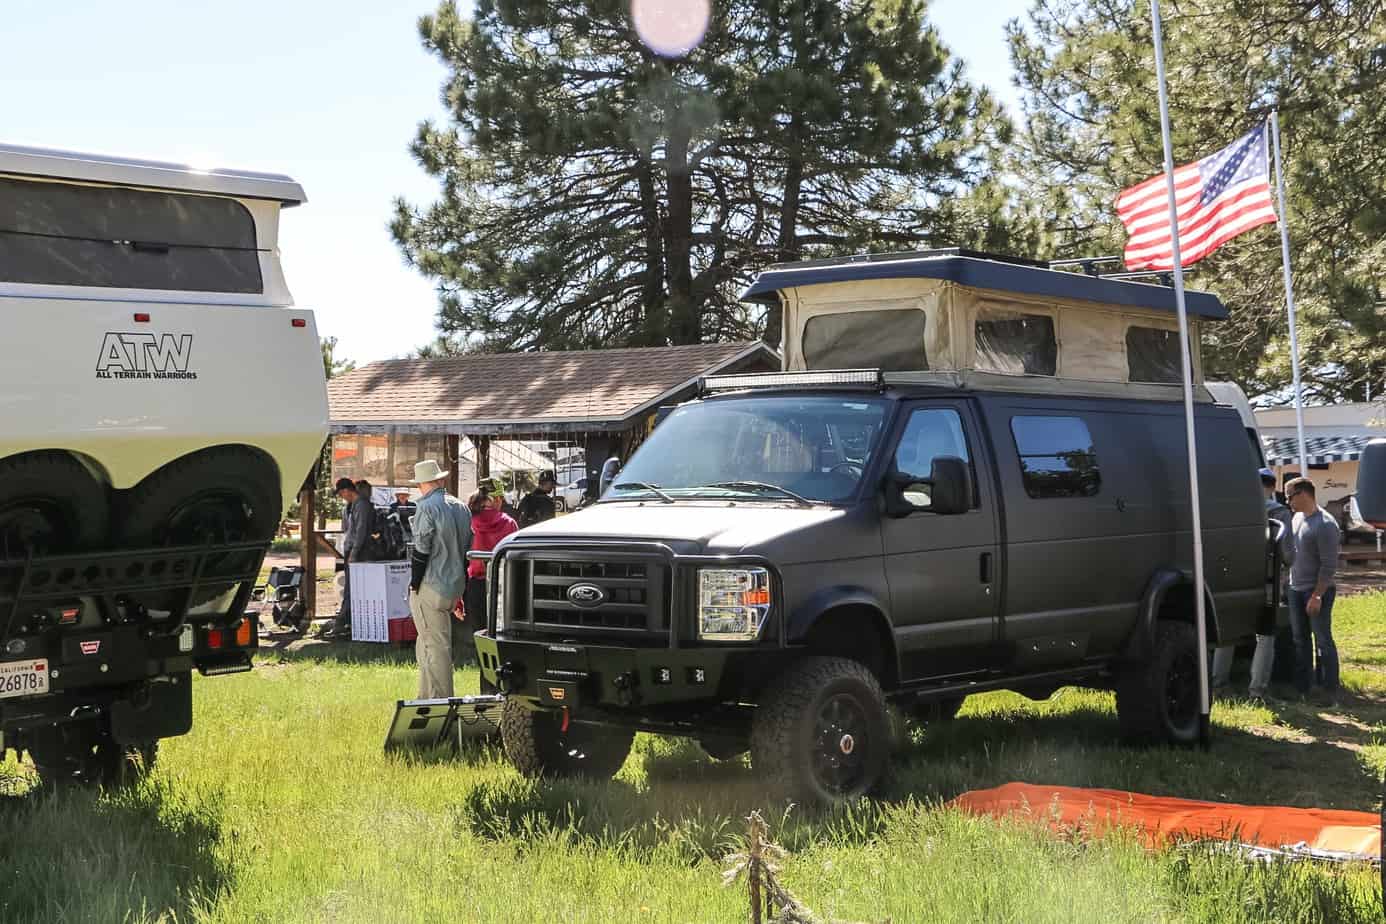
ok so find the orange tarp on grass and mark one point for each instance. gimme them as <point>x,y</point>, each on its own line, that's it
<point>1160,820</point>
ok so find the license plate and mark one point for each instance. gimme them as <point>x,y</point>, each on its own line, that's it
<point>23,678</point>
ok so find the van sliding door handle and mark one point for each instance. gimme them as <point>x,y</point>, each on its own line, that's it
<point>985,574</point>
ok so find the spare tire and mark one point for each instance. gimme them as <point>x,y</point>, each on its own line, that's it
<point>214,497</point>
<point>50,505</point>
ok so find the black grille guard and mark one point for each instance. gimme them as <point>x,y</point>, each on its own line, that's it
<point>672,559</point>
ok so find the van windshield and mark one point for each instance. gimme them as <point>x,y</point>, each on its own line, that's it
<point>780,448</point>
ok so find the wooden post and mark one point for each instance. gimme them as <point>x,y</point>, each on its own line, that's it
<point>308,542</point>
<point>483,457</point>
<point>454,462</point>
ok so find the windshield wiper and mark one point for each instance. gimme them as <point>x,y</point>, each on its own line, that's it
<point>761,486</point>
<point>641,485</point>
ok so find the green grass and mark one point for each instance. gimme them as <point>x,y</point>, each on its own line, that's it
<point>281,806</point>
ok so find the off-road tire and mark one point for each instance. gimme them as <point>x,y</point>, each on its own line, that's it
<point>238,480</point>
<point>57,488</point>
<point>1157,701</point>
<point>802,752</point>
<point>85,754</point>
<point>536,746</point>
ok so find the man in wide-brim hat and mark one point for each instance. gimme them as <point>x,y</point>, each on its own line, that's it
<point>442,535</point>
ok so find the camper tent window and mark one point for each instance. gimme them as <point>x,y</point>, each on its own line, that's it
<point>1016,344</point>
<point>1152,355</point>
<point>111,237</point>
<point>888,340</point>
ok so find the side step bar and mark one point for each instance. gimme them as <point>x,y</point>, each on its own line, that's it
<point>928,692</point>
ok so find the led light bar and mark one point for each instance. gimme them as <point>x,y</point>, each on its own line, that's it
<point>840,377</point>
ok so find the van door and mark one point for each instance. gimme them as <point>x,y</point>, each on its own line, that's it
<point>943,571</point>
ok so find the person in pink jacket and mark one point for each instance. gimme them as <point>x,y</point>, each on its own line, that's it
<point>489,526</point>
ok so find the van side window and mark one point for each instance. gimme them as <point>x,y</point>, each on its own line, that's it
<point>1057,457</point>
<point>892,340</point>
<point>1016,344</point>
<point>1152,355</point>
<point>931,432</point>
<point>62,234</point>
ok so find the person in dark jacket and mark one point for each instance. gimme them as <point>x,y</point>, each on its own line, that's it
<point>357,522</point>
<point>490,524</point>
<point>538,506</point>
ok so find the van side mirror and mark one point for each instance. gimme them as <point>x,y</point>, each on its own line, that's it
<point>610,469</point>
<point>947,490</point>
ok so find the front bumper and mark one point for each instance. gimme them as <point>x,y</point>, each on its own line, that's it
<point>575,675</point>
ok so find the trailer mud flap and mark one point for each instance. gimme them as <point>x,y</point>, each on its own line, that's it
<point>163,709</point>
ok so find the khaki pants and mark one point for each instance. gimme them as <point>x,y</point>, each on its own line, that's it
<point>433,619</point>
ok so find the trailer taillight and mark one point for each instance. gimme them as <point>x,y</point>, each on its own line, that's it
<point>141,317</point>
<point>299,322</point>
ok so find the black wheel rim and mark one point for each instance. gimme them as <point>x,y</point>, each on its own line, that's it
<point>841,744</point>
<point>1181,690</point>
<point>209,517</point>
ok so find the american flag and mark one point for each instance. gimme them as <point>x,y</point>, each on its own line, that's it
<point>1217,198</point>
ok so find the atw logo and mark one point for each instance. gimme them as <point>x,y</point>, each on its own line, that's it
<point>145,356</point>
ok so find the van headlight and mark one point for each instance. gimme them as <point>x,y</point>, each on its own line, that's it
<point>499,594</point>
<point>733,603</point>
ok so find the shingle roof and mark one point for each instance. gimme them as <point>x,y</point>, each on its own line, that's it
<point>1321,449</point>
<point>509,389</point>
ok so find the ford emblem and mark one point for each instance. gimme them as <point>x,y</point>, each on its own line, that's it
<point>586,595</point>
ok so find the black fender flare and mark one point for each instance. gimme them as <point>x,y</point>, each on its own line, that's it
<point>808,612</point>
<point>1162,582</point>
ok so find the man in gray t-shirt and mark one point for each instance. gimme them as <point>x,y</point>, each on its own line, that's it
<point>1312,587</point>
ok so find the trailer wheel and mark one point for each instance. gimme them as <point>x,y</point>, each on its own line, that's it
<point>84,753</point>
<point>1157,701</point>
<point>537,745</point>
<point>50,504</point>
<point>821,734</point>
<point>215,497</point>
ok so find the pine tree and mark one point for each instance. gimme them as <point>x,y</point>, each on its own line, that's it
<point>596,194</point>
<point>1086,69</point>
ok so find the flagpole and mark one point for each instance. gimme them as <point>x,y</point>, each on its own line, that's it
<point>1289,293</point>
<point>1200,609</point>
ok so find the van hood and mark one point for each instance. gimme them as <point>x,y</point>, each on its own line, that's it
<point>697,527</point>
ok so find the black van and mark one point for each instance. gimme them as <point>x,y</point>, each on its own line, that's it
<point>789,553</point>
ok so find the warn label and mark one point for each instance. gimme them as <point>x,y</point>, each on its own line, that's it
<point>141,355</point>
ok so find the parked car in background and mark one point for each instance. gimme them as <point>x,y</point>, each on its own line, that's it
<point>571,496</point>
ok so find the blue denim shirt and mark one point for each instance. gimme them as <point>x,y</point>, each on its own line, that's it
<point>443,531</point>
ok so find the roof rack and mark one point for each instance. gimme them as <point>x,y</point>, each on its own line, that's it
<point>913,255</point>
<point>1089,267</point>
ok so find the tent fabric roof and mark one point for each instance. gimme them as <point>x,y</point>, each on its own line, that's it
<point>481,393</point>
<point>1321,449</point>
<point>981,274</point>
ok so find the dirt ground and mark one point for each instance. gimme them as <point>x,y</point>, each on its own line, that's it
<point>1356,579</point>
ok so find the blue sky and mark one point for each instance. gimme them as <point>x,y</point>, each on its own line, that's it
<point>328,92</point>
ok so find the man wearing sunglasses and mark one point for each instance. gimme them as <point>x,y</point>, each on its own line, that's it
<point>1312,589</point>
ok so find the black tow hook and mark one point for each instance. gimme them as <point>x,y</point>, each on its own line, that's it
<point>510,677</point>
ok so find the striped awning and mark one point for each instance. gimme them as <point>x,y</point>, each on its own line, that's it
<point>1321,449</point>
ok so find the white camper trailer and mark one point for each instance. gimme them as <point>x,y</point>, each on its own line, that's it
<point>163,401</point>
